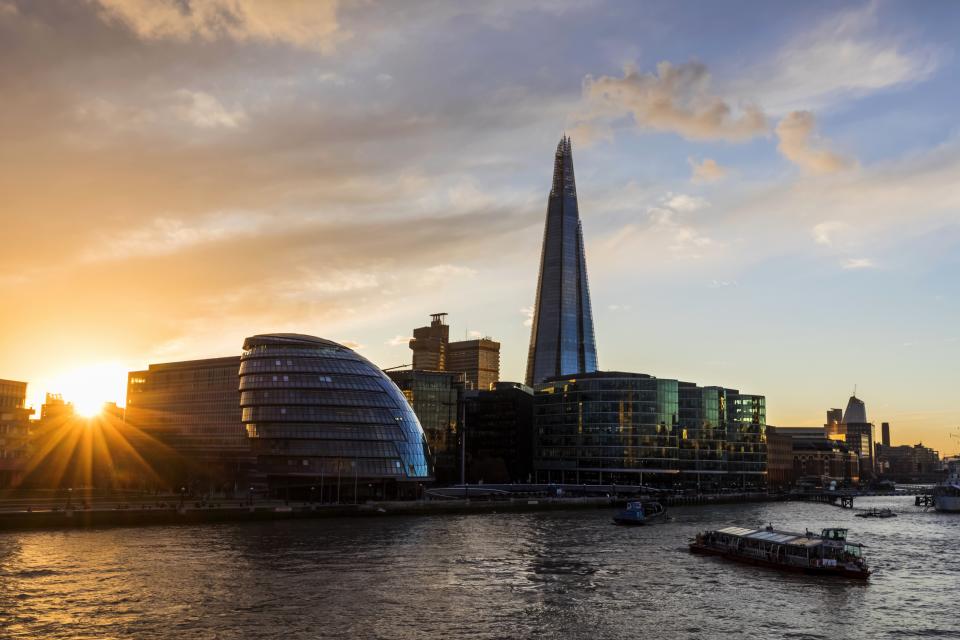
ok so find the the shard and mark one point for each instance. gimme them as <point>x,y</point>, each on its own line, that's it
<point>562,341</point>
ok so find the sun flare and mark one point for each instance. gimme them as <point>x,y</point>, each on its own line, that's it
<point>90,386</point>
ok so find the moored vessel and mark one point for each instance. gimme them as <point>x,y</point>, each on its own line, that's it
<point>640,513</point>
<point>946,495</point>
<point>827,554</point>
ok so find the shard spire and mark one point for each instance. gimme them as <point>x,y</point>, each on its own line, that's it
<point>561,339</point>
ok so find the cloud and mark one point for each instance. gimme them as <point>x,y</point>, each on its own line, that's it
<point>398,341</point>
<point>205,111</point>
<point>825,232</point>
<point>676,99</point>
<point>527,316</point>
<point>667,220</point>
<point>352,344</point>
<point>309,24</point>
<point>840,58</point>
<point>706,171</point>
<point>800,144</point>
<point>443,273</point>
<point>858,263</point>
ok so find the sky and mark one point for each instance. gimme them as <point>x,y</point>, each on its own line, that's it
<point>770,192</point>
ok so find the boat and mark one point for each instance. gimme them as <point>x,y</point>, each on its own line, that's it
<point>946,495</point>
<point>640,513</point>
<point>827,554</point>
<point>877,513</point>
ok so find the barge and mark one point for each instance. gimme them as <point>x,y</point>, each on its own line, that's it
<point>827,554</point>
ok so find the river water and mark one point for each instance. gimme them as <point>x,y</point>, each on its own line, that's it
<point>538,575</point>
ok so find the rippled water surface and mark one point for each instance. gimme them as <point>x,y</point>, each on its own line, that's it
<point>551,575</point>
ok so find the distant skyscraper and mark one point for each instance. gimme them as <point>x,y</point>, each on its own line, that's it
<point>885,434</point>
<point>562,340</point>
<point>429,344</point>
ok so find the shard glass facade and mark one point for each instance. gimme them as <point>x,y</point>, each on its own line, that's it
<point>562,340</point>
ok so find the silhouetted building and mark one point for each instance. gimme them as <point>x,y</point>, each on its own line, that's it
<point>14,432</point>
<point>859,436</point>
<point>629,428</point>
<point>325,422</point>
<point>804,453</point>
<point>435,397</point>
<point>834,417</point>
<point>906,463</point>
<point>429,344</point>
<point>499,432</point>
<point>188,418</point>
<point>561,339</point>
<point>885,434</point>
<point>477,360</point>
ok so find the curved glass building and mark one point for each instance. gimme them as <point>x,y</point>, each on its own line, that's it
<point>326,423</point>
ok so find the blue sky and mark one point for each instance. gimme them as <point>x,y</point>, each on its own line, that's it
<point>768,190</point>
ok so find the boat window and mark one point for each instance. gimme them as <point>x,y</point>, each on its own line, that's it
<point>853,550</point>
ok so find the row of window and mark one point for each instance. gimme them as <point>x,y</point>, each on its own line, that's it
<point>311,381</point>
<point>317,398</point>
<point>318,365</point>
<point>334,415</point>
<point>325,432</point>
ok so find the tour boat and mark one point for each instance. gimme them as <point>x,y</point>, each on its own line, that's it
<point>640,513</point>
<point>827,554</point>
<point>946,495</point>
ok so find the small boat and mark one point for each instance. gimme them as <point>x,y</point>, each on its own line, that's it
<point>877,513</point>
<point>827,554</point>
<point>640,513</point>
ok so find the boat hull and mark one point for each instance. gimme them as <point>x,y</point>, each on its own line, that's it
<point>947,504</point>
<point>839,571</point>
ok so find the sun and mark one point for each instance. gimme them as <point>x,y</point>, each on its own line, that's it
<point>88,387</point>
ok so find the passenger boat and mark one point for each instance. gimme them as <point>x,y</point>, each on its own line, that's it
<point>827,554</point>
<point>640,513</point>
<point>946,495</point>
<point>877,513</point>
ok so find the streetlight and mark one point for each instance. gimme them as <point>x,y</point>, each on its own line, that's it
<point>183,496</point>
<point>251,497</point>
<point>69,498</point>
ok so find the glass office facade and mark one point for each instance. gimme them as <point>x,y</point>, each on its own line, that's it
<point>324,421</point>
<point>628,428</point>
<point>562,339</point>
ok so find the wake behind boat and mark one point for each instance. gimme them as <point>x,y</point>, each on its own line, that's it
<point>640,513</point>
<point>827,554</point>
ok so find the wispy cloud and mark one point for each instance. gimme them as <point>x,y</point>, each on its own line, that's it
<point>843,56</point>
<point>301,23</point>
<point>859,263</point>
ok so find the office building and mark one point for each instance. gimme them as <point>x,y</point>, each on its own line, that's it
<point>562,338</point>
<point>859,436</point>
<point>834,417</point>
<point>499,433</point>
<point>187,421</point>
<point>326,423</point>
<point>909,464</point>
<point>478,361</point>
<point>806,456</point>
<point>435,397</point>
<point>14,432</point>
<point>885,434</point>
<point>628,428</point>
<point>429,344</point>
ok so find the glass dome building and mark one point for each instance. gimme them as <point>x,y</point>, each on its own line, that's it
<point>326,424</point>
